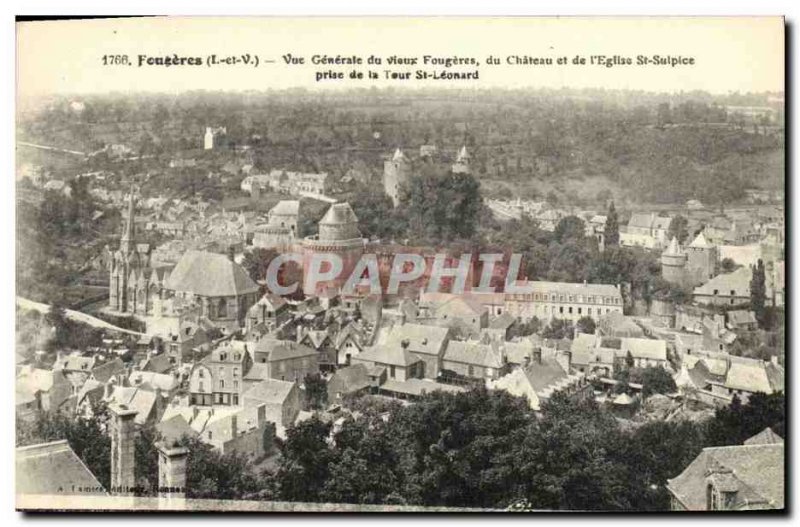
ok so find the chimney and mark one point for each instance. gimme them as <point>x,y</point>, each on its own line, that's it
<point>108,389</point>
<point>172,470</point>
<point>565,360</point>
<point>123,436</point>
<point>234,427</point>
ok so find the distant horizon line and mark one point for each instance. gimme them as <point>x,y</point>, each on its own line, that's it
<point>398,90</point>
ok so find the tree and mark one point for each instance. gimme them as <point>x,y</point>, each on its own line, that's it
<point>316,391</point>
<point>679,228</point>
<point>559,328</point>
<point>735,423</point>
<point>611,233</point>
<point>758,292</point>
<point>86,437</point>
<point>305,456</point>
<point>212,475</point>
<point>376,215</point>
<point>442,206</point>
<point>655,379</point>
<point>586,325</point>
<point>570,229</point>
<point>727,265</point>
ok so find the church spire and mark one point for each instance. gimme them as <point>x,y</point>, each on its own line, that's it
<point>129,236</point>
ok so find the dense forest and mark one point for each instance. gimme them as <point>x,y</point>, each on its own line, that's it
<point>662,148</point>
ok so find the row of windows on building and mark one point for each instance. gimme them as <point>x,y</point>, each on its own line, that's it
<point>570,310</point>
<point>545,297</point>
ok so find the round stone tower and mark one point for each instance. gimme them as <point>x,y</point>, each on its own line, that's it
<point>338,234</point>
<point>396,172</point>
<point>673,263</point>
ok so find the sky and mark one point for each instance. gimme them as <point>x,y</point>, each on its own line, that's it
<point>731,54</point>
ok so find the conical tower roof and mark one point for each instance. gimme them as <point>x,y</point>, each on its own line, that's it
<point>700,242</point>
<point>463,155</point>
<point>398,155</point>
<point>674,248</point>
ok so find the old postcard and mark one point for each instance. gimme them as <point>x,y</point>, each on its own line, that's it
<point>381,264</point>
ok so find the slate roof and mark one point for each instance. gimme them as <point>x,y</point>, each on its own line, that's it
<point>108,369</point>
<point>210,274</point>
<point>427,340</point>
<point>503,321</point>
<point>258,372</point>
<point>765,437</point>
<point>338,214</point>
<point>270,391</point>
<point>738,317</point>
<point>755,471</point>
<point>700,242</point>
<point>387,354</point>
<point>753,375</point>
<point>474,353</point>
<point>155,380</point>
<point>644,348</point>
<point>53,468</point>
<point>290,350</point>
<point>350,379</point>
<point>738,281</point>
<point>174,428</point>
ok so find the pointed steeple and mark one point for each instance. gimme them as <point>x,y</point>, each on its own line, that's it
<point>398,155</point>
<point>129,236</point>
<point>463,155</point>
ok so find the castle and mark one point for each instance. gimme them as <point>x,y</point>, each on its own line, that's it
<point>398,169</point>
<point>694,265</point>
<point>339,234</point>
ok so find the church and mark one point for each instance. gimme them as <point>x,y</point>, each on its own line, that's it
<point>212,284</point>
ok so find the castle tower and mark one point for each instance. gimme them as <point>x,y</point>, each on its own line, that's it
<point>396,172</point>
<point>703,258</point>
<point>208,139</point>
<point>673,263</point>
<point>461,166</point>
<point>339,234</point>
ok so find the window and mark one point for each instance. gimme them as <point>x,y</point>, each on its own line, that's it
<point>221,371</point>
<point>579,310</point>
<point>201,386</point>
<point>201,373</point>
<point>561,309</point>
<point>589,310</point>
<point>733,293</point>
<point>235,398</point>
<point>470,370</point>
<point>221,383</point>
<point>570,310</point>
<point>391,372</point>
<point>716,291</point>
<point>235,373</point>
<point>235,385</point>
